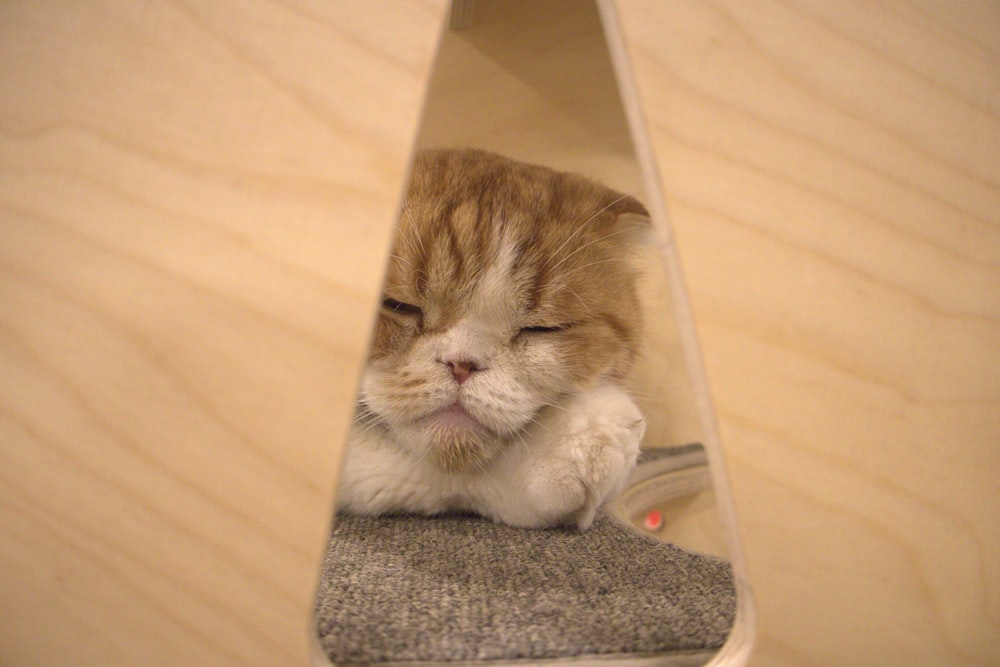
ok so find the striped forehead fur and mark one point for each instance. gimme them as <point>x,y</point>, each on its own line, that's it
<point>534,246</point>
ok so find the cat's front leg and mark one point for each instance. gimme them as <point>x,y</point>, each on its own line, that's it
<point>378,477</point>
<point>574,459</point>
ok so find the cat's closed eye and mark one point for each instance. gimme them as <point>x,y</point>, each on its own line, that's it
<point>400,308</point>
<point>543,329</point>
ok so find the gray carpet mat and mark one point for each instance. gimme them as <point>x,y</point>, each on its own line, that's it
<point>461,589</point>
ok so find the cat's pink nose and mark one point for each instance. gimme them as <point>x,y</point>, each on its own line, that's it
<point>462,369</point>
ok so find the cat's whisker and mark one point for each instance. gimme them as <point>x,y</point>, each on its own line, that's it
<point>649,387</point>
<point>365,418</point>
<point>582,226</point>
<point>408,243</point>
<point>364,413</point>
<point>481,464</point>
<point>555,406</point>
<point>522,441</point>
<point>402,259</point>
<point>419,238</point>
<point>368,424</point>
<point>416,242</point>
<point>371,420</point>
<point>655,400</point>
<point>645,398</point>
<point>583,303</point>
<point>616,260</point>
<point>587,245</point>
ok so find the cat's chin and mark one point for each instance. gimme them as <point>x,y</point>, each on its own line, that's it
<point>451,439</point>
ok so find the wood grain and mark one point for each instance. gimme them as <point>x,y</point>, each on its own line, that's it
<point>832,175</point>
<point>195,204</point>
<point>179,316</point>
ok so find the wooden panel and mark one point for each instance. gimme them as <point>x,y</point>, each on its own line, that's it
<point>832,171</point>
<point>195,204</point>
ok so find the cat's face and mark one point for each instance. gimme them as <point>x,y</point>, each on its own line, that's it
<point>509,286</point>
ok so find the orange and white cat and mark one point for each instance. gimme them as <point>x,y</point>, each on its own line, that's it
<point>509,319</point>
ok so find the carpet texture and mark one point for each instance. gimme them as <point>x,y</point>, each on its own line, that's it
<point>461,589</point>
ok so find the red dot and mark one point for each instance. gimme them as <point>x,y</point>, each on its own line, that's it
<point>653,520</point>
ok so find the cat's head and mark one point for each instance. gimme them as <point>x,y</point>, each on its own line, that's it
<point>509,286</point>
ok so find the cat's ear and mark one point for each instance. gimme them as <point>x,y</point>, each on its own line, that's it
<point>632,221</point>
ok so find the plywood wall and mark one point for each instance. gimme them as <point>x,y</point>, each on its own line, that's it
<point>195,201</point>
<point>194,207</point>
<point>832,172</point>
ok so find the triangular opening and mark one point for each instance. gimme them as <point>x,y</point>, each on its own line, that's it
<point>536,82</point>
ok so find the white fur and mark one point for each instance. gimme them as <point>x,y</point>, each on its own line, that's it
<point>559,469</point>
<point>547,452</point>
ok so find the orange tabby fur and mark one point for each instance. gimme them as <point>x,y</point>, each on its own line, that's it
<point>572,244</point>
<point>510,291</point>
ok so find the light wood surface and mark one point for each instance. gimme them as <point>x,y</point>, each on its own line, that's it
<point>195,205</point>
<point>832,173</point>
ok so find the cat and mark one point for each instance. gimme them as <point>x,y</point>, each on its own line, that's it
<point>510,317</point>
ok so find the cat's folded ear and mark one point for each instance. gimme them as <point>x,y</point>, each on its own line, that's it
<point>632,221</point>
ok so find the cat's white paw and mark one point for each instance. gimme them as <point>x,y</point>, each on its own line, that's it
<point>585,454</point>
